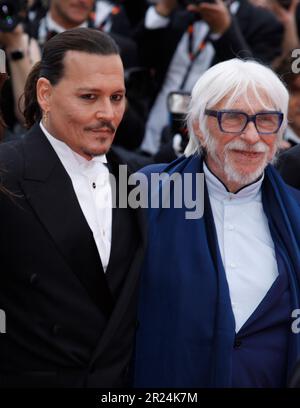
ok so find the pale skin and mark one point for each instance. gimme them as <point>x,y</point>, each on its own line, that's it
<point>242,161</point>
<point>86,106</point>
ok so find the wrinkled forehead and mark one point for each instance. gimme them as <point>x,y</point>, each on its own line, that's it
<point>253,100</point>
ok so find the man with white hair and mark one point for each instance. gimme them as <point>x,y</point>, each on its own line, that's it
<point>219,294</point>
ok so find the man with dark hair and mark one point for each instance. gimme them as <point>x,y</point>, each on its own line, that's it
<point>70,258</point>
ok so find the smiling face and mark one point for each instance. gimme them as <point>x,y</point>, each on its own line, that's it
<point>88,103</point>
<point>238,159</point>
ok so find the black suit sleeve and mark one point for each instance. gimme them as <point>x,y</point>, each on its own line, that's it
<point>253,33</point>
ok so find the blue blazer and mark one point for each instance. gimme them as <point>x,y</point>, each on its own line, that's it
<point>187,329</point>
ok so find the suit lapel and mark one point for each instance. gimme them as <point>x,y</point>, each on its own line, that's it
<point>50,193</point>
<point>131,279</point>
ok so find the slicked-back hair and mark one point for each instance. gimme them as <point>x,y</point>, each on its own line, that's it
<point>51,66</point>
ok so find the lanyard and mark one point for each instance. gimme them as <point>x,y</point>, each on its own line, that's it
<point>193,54</point>
<point>115,10</point>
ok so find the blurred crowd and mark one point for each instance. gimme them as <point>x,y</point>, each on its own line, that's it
<point>165,46</point>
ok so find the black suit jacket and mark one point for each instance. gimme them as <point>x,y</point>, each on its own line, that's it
<point>67,323</point>
<point>289,166</point>
<point>254,33</point>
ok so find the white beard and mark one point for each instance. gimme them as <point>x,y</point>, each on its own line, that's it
<point>229,170</point>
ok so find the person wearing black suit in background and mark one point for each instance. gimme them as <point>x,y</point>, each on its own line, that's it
<point>179,45</point>
<point>288,166</point>
<point>69,258</point>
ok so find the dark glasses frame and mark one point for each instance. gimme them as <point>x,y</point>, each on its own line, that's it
<point>249,118</point>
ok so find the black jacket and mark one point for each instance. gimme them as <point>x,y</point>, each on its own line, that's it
<point>67,323</point>
<point>289,166</point>
<point>254,33</point>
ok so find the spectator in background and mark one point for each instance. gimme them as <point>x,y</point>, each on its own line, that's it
<point>3,78</point>
<point>22,53</point>
<point>103,15</point>
<point>179,45</point>
<point>135,10</point>
<point>42,24</point>
<point>288,13</point>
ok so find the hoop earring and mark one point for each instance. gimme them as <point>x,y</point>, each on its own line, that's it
<point>45,117</point>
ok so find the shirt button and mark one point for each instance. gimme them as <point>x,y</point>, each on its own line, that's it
<point>231,227</point>
<point>103,233</point>
<point>94,185</point>
<point>232,265</point>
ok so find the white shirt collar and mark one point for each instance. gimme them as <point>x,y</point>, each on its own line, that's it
<point>217,189</point>
<point>71,160</point>
<point>53,26</point>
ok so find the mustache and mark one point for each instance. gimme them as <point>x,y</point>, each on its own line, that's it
<point>103,124</point>
<point>259,147</point>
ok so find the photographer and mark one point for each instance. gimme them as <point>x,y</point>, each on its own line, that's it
<point>180,41</point>
<point>22,53</point>
<point>287,12</point>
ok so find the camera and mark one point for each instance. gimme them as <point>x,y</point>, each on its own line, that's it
<point>11,14</point>
<point>178,103</point>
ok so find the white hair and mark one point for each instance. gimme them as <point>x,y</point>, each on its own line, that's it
<point>234,78</point>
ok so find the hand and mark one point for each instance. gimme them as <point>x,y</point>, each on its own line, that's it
<point>215,14</point>
<point>285,16</point>
<point>165,7</point>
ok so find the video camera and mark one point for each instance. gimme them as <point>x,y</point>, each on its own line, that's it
<point>178,103</point>
<point>11,13</point>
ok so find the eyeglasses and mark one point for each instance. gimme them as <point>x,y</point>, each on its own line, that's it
<point>231,121</point>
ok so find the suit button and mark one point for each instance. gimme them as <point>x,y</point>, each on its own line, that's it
<point>237,343</point>
<point>137,325</point>
<point>56,329</point>
<point>33,279</point>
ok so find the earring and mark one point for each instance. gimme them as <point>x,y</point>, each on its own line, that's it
<point>45,117</point>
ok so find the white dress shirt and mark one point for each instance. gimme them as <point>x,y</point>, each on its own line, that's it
<point>48,24</point>
<point>92,187</point>
<point>245,244</point>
